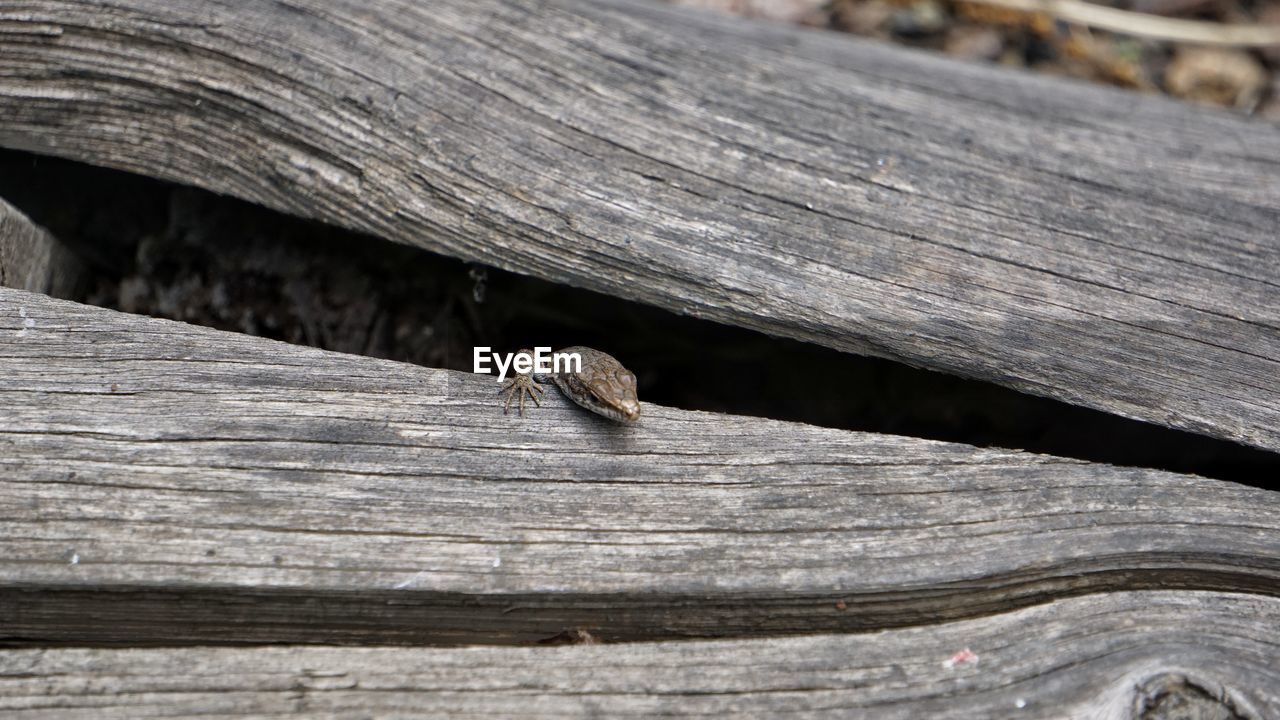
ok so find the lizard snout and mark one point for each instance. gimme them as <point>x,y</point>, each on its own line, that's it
<point>631,409</point>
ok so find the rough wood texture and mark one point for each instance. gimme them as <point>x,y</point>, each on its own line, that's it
<point>31,259</point>
<point>1095,246</point>
<point>165,483</point>
<point>1109,656</point>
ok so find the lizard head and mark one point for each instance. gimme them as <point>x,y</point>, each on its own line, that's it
<point>624,398</point>
<point>606,388</point>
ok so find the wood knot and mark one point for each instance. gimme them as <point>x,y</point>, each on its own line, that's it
<point>1173,696</point>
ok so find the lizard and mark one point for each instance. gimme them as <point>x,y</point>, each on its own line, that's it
<point>603,386</point>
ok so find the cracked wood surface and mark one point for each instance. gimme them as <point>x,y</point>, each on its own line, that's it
<point>1122,655</point>
<point>1091,245</point>
<point>162,483</point>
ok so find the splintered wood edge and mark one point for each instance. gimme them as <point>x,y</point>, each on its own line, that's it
<point>1098,247</point>
<point>164,483</point>
<point>31,258</point>
<point>1110,655</point>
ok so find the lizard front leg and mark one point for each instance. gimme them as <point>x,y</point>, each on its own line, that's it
<point>520,385</point>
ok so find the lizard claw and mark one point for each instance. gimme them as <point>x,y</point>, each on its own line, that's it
<point>516,388</point>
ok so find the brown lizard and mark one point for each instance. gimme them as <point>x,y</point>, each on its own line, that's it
<point>602,385</point>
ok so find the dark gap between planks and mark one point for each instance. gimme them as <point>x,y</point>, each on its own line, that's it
<point>172,251</point>
<point>132,616</point>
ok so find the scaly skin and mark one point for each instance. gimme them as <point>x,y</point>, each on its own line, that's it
<point>603,386</point>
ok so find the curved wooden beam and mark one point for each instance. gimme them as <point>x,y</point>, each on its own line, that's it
<point>168,484</point>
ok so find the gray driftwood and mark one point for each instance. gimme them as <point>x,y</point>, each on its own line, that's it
<point>163,483</point>
<point>1091,245</point>
<point>31,258</point>
<point>1126,655</point>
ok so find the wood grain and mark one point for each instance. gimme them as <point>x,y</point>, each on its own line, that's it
<point>31,258</point>
<point>1086,244</point>
<point>1123,655</point>
<point>162,483</point>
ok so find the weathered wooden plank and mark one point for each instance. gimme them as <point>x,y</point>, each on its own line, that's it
<point>162,483</point>
<point>31,258</point>
<point>1124,655</point>
<point>1098,247</point>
